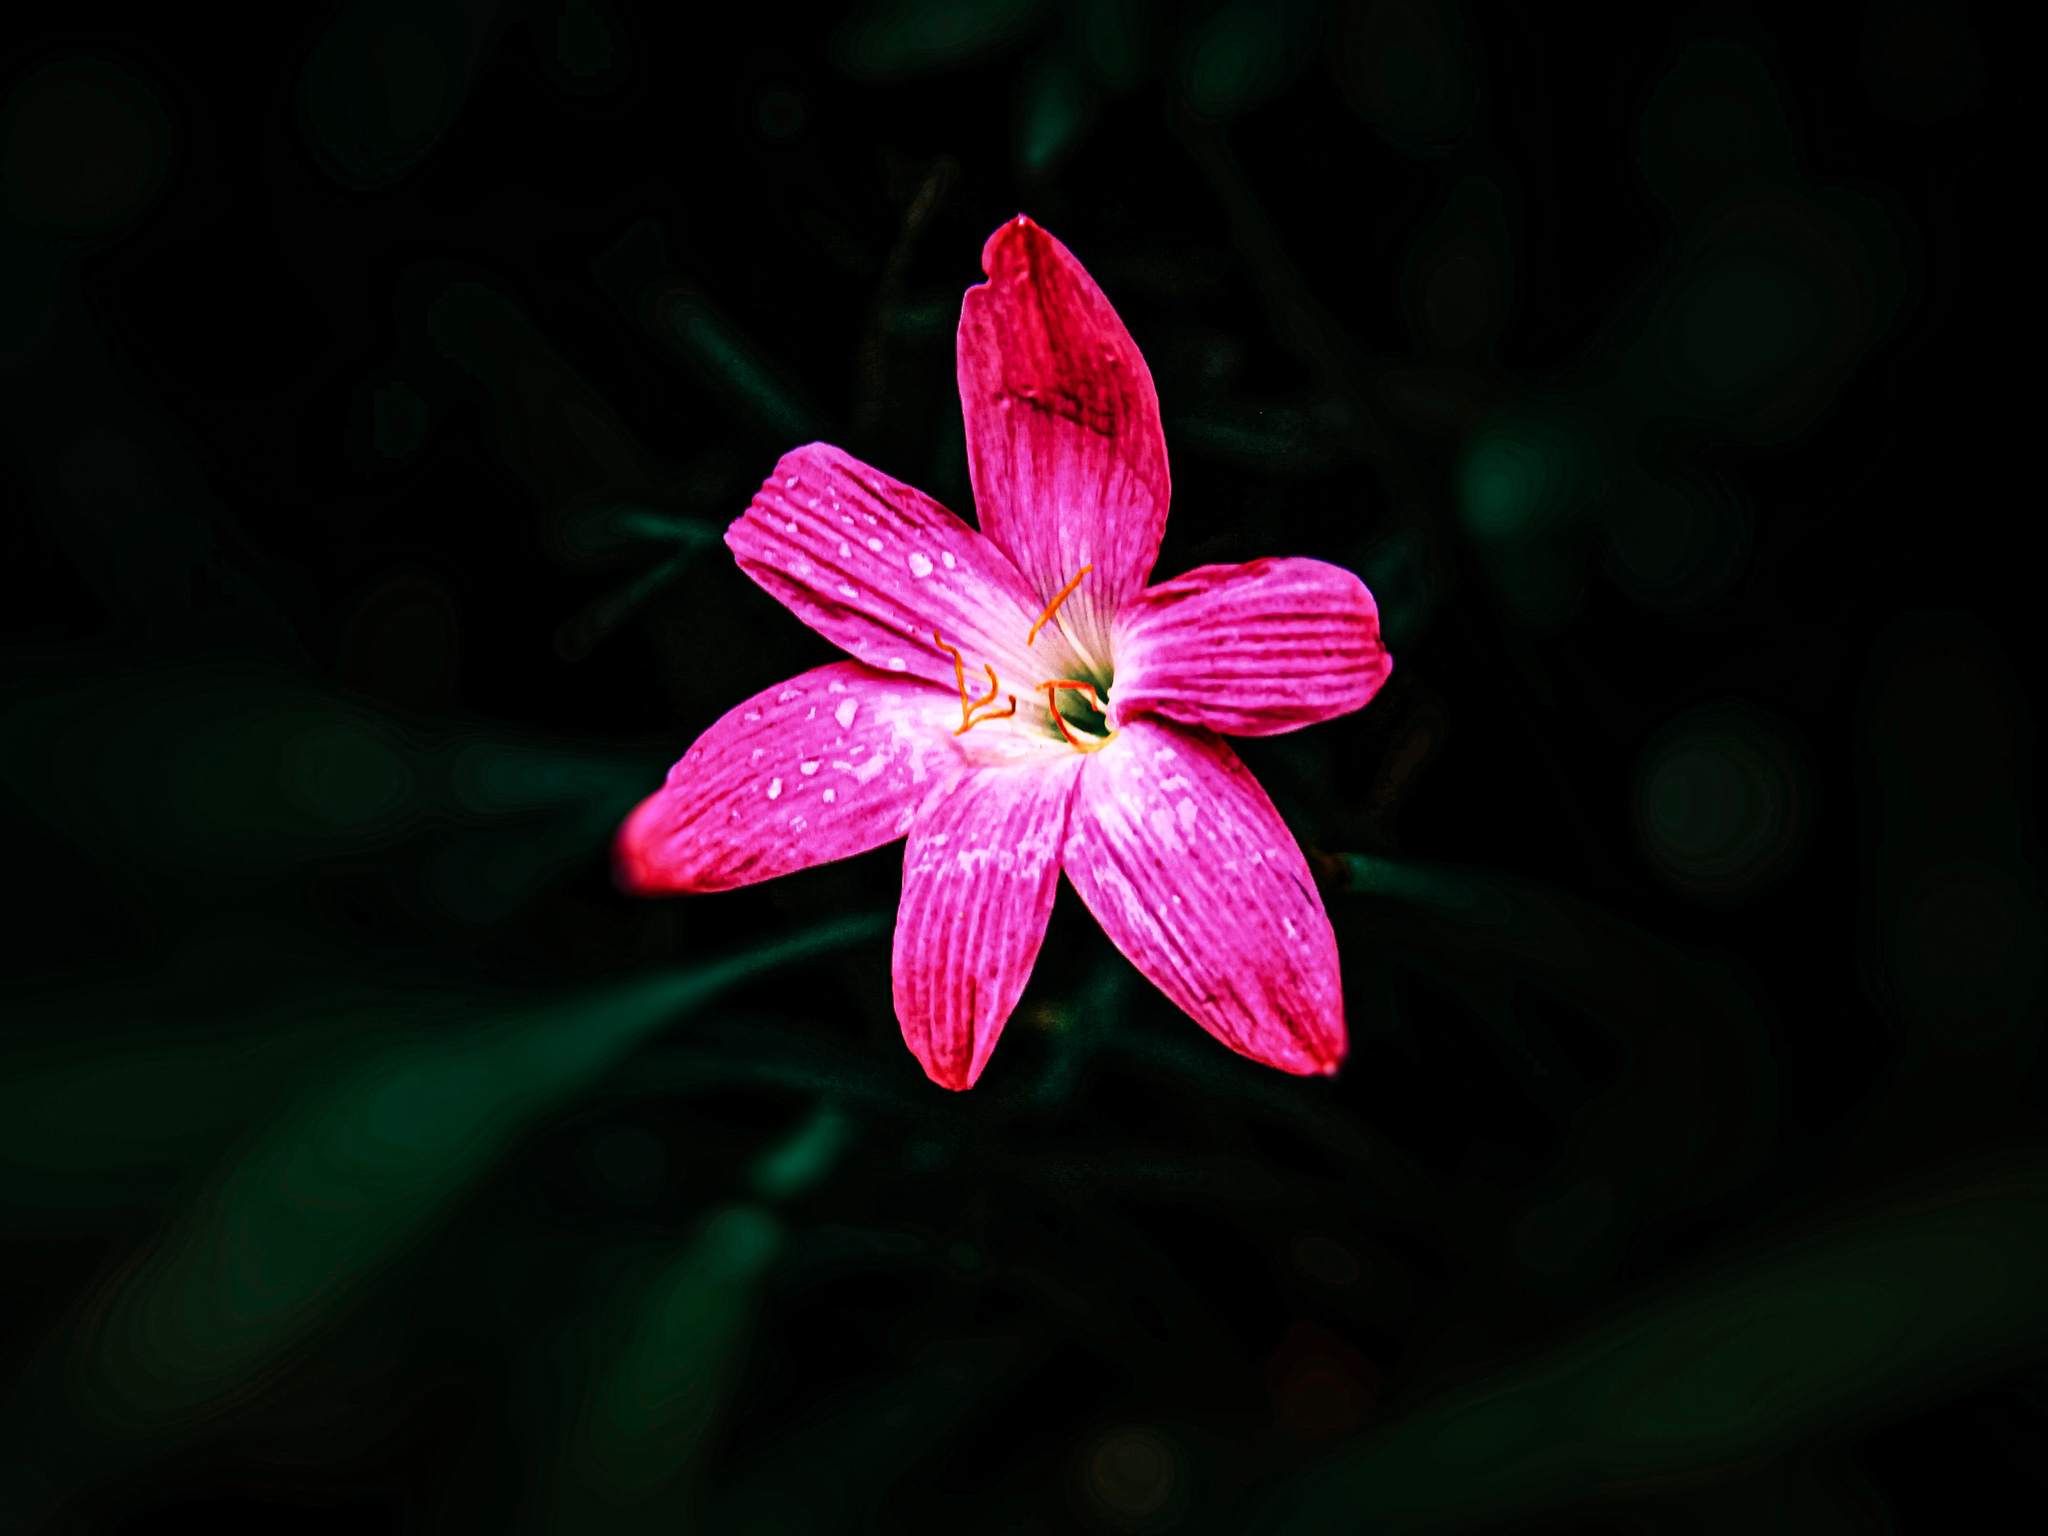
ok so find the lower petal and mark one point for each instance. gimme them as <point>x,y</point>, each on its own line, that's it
<point>829,764</point>
<point>1177,851</point>
<point>979,876</point>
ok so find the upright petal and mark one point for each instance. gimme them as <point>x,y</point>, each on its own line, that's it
<point>829,764</point>
<point>1251,650</point>
<point>1189,869</point>
<point>875,566</point>
<point>979,875</point>
<point>1063,437</point>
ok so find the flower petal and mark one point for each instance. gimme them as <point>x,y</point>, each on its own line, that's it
<point>875,566</point>
<point>1251,650</point>
<point>1063,437</point>
<point>829,764</point>
<point>979,875</point>
<point>1189,869</point>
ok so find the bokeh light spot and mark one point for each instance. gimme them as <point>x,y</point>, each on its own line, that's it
<point>1133,1479</point>
<point>1326,1260</point>
<point>1720,803</point>
<point>780,114</point>
<point>83,149</point>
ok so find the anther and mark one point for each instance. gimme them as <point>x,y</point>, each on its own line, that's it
<point>1053,607</point>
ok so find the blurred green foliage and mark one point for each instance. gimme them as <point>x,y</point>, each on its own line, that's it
<point>346,1106</point>
<point>1726,1369</point>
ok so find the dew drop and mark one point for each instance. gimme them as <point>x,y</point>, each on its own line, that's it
<point>845,712</point>
<point>845,550</point>
<point>947,556</point>
<point>775,789</point>
<point>807,769</point>
<point>920,566</point>
<point>875,545</point>
<point>831,795</point>
<point>790,526</point>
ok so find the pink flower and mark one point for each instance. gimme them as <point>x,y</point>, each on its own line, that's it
<point>1019,701</point>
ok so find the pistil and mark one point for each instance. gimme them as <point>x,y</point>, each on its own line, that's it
<point>1052,707</point>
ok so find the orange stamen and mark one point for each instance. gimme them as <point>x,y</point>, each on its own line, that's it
<point>1053,607</point>
<point>990,696</point>
<point>967,718</point>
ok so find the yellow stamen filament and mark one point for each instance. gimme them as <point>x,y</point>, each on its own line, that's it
<point>959,676</point>
<point>994,714</point>
<point>968,721</point>
<point>989,697</point>
<point>1053,607</point>
<point>1053,708</point>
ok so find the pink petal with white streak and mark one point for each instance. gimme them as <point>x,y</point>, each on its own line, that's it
<point>875,566</point>
<point>829,764</point>
<point>1251,650</point>
<point>1191,872</point>
<point>1063,437</point>
<point>979,875</point>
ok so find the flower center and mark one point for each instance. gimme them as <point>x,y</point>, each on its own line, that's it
<point>1097,728</point>
<point>1086,710</point>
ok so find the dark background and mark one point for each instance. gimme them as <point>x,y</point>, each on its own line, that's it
<point>266,307</point>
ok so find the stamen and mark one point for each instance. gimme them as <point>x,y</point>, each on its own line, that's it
<point>959,678</point>
<point>1053,607</point>
<point>990,696</point>
<point>967,718</point>
<point>1053,708</point>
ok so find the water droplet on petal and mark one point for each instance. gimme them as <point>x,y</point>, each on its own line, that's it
<point>845,712</point>
<point>920,566</point>
<point>946,555</point>
<point>875,545</point>
<point>774,789</point>
<point>807,769</point>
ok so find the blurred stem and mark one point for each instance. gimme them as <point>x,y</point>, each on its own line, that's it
<point>874,358</point>
<point>1302,325</point>
<point>590,628</point>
